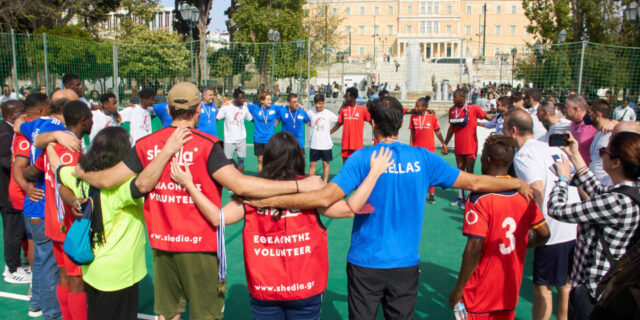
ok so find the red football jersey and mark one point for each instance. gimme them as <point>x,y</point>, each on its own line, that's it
<point>21,147</point>
<point>352,119</point>
<point>424,127</point>
<point>466,138</point>
<point>503,220</point>
<point>51,225</point>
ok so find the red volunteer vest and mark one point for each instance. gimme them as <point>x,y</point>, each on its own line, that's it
<point>285,259</point>
<point>173,220</point>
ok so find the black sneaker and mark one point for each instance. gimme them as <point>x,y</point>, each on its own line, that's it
<point>431,199</point>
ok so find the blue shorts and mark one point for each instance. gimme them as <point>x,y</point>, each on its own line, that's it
<point>552,264</point>
<point>304,309</point>
<point>325,155</point>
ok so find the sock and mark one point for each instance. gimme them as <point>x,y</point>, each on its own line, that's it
<point>25,247</point>
<point>63,299</point>
<point>78,305</point>
<point>460,194</point>
<point>432,190</point>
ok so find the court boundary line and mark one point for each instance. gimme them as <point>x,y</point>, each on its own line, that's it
<point>22,297</point>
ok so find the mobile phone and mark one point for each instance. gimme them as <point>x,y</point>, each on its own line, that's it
<point>557,140</point>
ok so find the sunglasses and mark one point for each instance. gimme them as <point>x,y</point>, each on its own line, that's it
<point>602,151</point>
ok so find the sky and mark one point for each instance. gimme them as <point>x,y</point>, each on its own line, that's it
<point>217,13</point>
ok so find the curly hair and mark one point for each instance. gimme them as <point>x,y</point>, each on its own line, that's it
<point>501,149</point>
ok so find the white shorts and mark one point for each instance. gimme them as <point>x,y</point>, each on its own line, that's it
<point>240,148</point>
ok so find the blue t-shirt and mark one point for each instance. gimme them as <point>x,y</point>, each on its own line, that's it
<point>31,130</point>
<point>161,111</point>
<point>264,120</point>
<point>207,123</point>
<point>390,236</point>
<point>296,127</point>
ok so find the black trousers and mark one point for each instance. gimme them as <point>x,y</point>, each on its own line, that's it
<point>114,305</point>
<point>395,288</point>
<point>14,234</point>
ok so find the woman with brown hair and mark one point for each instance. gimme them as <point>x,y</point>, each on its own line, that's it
<point>608,223</point>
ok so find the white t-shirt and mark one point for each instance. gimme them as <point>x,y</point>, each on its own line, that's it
<point>101,121</point>
<point>534,162</point>
<point>596,166</point>
<point>562,126</point>
<point>621,113</point>
<point>11,96</point>
<point>139,121</point>
<point>321,124</point>
<point>85,102</point>
<point>234,118</point>
<point>539,132</point>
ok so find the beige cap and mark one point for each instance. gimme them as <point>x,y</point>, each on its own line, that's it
<point>184,95</point>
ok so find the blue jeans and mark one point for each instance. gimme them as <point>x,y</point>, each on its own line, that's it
<point>580,303</point>
<point>305,309</point>
<point>45,272</point>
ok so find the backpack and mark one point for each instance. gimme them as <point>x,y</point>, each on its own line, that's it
<point>77,244</point>
<point>625,272</point>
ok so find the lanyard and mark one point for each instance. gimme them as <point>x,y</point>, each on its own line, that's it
<point>351,112</point>
<point>265,116</point>
<point>388,139</point>
<point>292,117</point>
<point>463,109</point>
<point>422,121</point>
<point>207,111</point>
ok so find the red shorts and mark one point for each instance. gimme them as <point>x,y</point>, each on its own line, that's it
<point>347,153</point>
<point>63,261</point>
<point>468,156</point>
<point>498,315</point>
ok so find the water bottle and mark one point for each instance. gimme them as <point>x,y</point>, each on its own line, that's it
<point>460,312</point>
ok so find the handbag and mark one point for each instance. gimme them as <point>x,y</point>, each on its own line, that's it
<point>77,244</point>
<point>461,122</point>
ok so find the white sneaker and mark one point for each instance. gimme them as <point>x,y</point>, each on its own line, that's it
<point>19,276</point>
<point>6,271</point>
<point>35,313</point>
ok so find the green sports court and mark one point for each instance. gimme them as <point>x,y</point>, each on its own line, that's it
<point>441,253</point>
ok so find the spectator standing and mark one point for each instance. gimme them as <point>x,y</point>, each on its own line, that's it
<point>321,121</point>
<point>624,112</point>
<point>532,99</point>
<point>352,116</point>
<point>518,100</point>
<point>607,223</point>
<point>489,247</point>
<point>7,95</point>
<point>293,118</point>
<point>553,120</point>
<point>208,113</point>
<point>234,114</point>
<point>107,116</point>
<point>596,115</point>
<point>162,111</point>
<point>72,81</point>
<point>12,220</point>
<point>575,110</point>
<point>139,116</point>
<point>503,104</point>
<point>183,270</point>
<point>265,119</point>
<point>463,119</point>
<point>424,125</point>
<point>552,262</point>
<point>376,270</point>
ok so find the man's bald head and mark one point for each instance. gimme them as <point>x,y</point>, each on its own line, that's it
<point>625,126</point>
<point>11,110</point>
<point>60,98</point>
<point>519,119</point>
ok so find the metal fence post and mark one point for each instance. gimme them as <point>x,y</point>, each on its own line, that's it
<point>308,65</point>
<point>15,61</point>
<point>584,46</point>
<point>46,67</point>
<point>115,73</point>
<point>204,64</point>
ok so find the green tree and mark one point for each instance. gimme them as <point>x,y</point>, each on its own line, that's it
<point>323,30</point>
<point>147,55</point>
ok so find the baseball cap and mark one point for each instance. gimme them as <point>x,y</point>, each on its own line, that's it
<point>184,95</point>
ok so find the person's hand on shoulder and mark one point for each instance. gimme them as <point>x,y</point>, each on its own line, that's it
<point>178,138</point>
<point>179,175</point>
<point>380,161</point>
<point>309,184</point>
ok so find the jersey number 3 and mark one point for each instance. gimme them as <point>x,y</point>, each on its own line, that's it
<point>510,224</point>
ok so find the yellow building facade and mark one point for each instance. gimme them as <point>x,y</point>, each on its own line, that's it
<point>441,28</point>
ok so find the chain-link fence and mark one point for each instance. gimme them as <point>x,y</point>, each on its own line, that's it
<point>38,62</point>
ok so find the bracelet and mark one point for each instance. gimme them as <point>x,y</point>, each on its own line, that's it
<point>563,178</point>
<point>297,189</point>
<point>582,170</point>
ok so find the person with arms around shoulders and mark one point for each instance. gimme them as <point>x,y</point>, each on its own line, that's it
<point>265,119</point>
<point>321,122</point>
<point>463,120</point>
<point>182,269</point>
<point>503,104</point>
<point>552,262</point>
<point>268,262</point>
<point>377,272</point>
<point>352,116</point>
<point>107,116</point>
<point>607,223</point>
<point>424,125</point>
<point>293,117</point>
<point>496,239</point>
<point>139,115</point>
<point>208,113</point>
<point>234,114</point>
<point>597,116</point>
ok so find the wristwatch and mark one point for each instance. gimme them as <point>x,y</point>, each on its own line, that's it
<point>563,178</point>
